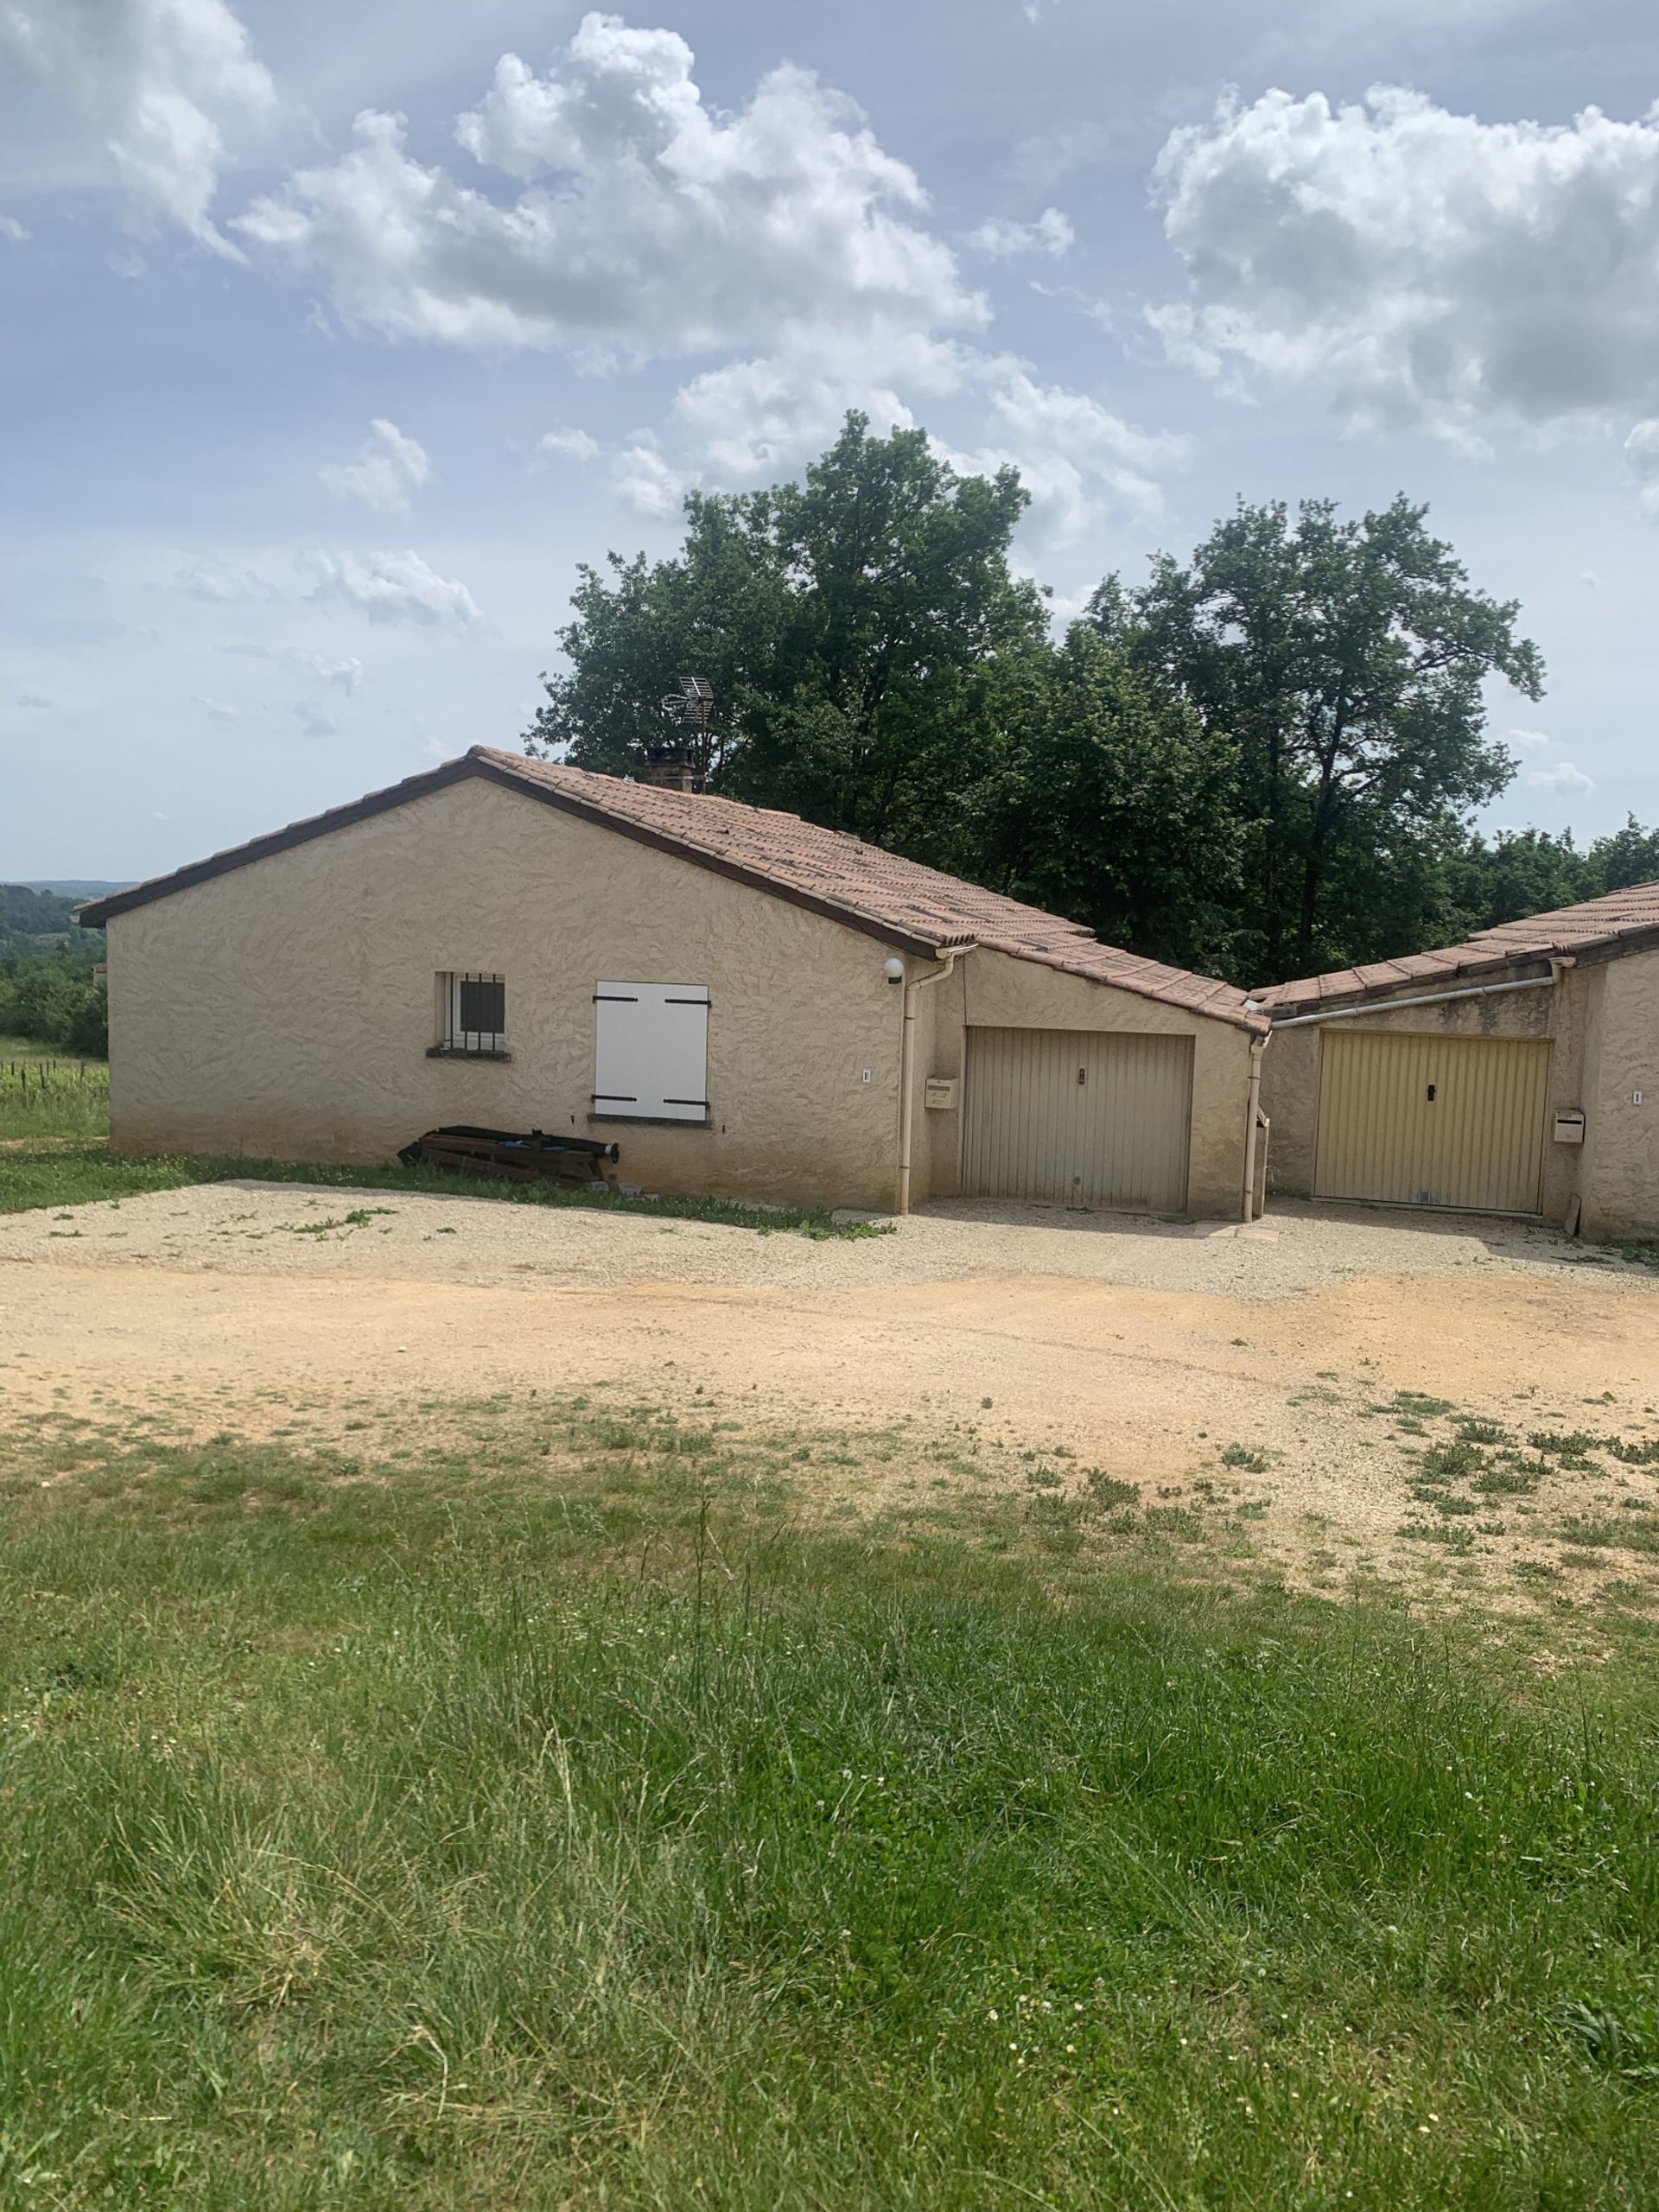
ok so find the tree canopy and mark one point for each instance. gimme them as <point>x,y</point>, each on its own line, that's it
<point>863,632</point>
<point>1258,762</point>
<point>48,990</point>
<point>1347,662</point>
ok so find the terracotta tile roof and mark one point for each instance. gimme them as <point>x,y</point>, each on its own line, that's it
<point>866,885</point>
<point>1623,921</point>
<point>897,900</point>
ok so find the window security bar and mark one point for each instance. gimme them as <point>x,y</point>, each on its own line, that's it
<point>475,1014</point>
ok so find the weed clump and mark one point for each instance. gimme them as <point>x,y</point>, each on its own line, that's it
<point>1451,1463</point>
<point>1622,1536</point>
<point>1572,1449</point>
<point>1107,1492</point>
<point>1481,1432</point>
<point>1240,1456</point>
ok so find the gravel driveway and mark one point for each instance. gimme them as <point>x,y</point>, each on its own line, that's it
<point>1143,1348</point>
<point>285,1228</point>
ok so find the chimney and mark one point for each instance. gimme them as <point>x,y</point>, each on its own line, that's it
<point>669,768</point>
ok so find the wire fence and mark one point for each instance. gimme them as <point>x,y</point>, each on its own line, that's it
<point>39,1073</point>
<point>53,1098</point>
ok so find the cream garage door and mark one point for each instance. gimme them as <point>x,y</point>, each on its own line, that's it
<point>1091,1118</point>
<point>1413,1120</point>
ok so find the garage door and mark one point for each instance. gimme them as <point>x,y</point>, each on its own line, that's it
<point>1088,1117</point>
<point>1422,1120</point>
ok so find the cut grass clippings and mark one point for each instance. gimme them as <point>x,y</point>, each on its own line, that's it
<point>595,1831</point>
<point>67,1175</point>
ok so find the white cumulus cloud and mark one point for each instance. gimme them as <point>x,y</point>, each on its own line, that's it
<point>12,229</point>
<point>647,224</point>
<point>345,675</point>
<point>1427,269</point>
<point>218,708</point>
<point>1052,233</point>
<point>568,445</point>
<point>172,87</point>
<point>646,481</point>
<point>388,472</point>
<point>1566,777</point>
<point>753,415</point>
<point>390,588</point>
<point>1532,740</point>
<point>1079,461</point>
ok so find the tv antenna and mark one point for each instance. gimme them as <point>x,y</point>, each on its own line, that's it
<point>685,766</point>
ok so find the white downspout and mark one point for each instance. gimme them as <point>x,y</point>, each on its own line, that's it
<point>907,1069</point>
<point>1258,1045</point>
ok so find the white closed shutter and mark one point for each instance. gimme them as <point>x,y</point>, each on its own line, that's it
<point>651,1054</point>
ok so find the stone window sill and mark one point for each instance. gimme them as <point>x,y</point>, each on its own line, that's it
<point>460,1052</point>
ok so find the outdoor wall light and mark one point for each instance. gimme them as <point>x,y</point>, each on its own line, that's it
<point>894,971</point>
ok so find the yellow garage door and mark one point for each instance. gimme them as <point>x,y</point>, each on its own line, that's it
<point>1091,1118</point>
<point>1423,1121</point>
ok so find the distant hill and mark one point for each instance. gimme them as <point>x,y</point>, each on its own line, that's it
<point>32,920</point>
<point>69,888</point>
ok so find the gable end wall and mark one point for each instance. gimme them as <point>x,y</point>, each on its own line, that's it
<point>284,1010</point>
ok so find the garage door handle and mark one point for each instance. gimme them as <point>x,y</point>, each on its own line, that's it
<point>1083,1074</point>
<point>1431,1094</point>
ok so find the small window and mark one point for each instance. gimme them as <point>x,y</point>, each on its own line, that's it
<point>652,1052</point>
<point>473,1014</point>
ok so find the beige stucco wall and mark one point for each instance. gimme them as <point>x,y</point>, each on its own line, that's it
<point>284,1010</point>
<point>1603,1020</point>
<point>1621,1151</point>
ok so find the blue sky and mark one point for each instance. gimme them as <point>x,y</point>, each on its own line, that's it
<point>333,338</point>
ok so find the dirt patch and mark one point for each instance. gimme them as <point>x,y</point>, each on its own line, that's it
<point>287,1228</point>
<point>1291,1371</point>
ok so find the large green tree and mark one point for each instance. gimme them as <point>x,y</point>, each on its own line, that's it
<point>1347,660</point>
<point>1259,762</point>
<point>1628,856</point>
<point>869,646</point>
<point>1114,804</point>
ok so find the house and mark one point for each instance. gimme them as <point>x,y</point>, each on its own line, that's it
<point>748,1004</point>
<point>1516,1073</point>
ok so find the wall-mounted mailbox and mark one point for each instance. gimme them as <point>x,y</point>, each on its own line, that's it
<point>940,1093</point>
<point>1569,1126</point>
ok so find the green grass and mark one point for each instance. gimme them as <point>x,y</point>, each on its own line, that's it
<point>592,1830</point>
<point>30,1048</point>
<point>70,1175</point>
<point>44,1096</point>
<point>1632,1535</point>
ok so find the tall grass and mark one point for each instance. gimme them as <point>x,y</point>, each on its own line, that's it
<point>593,1838</point>
<point>45,1097</point>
